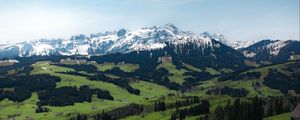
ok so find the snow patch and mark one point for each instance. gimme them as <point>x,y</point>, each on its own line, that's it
<point>275,47</point>
<point>241,44</point>
<point>42,49</point>
<point>249,54</point>
<point>10,61</point>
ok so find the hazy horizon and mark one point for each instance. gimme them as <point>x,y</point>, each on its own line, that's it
<point>235,19</point>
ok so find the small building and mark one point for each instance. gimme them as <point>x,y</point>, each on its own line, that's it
<point>165,59</point>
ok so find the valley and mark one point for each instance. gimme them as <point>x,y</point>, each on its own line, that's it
<point>149,92</point>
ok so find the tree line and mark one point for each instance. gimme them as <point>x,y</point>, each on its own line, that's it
<point>279,80</point>
<point>239,110</point>
<point>115,114</point>
<point>68,95</point>
<point>198,109</point>
<point>254,108</point>
<point>19,88</point>
<point>233,92</point>
<point>238,76</point>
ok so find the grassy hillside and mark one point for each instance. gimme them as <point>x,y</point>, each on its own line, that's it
<point>126,67</point>
<point>246,84</point>
<point>149,92</point>
<point>175,75</point>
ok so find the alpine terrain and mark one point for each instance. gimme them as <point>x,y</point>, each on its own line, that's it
<point>152,73</point>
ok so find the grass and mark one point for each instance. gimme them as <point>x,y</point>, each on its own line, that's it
<point>284,116</point>
<point>166,115</point>
<point>27,108</point>
<point>198,117</point>
<point>122,96</point>
<point>15,71</point>
<point>10,72</point>
<point>152,116</point>
<point>212,71</point>
<point>126,67</point>
<point>69,61</point>
<point>246,84</point>
<point>6,63</point>
<point>226,70</point>
<point>250,63</point>
<point>20,109</point>
<point>216,101</point>
<point>279,67</point>
<point>190,67</point>
<point>104,66</point>
<point>175,75</point>
<point>214,83</point>
<point>119,94</point>
<point>266,91</point>
<point>112,76</point>
<point>150,90</point>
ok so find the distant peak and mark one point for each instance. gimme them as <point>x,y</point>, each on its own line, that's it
<point>122,32</point>
<point>78,37</point>
<point>169,25</point>
<point>205,34</point>
<point>219,35</point>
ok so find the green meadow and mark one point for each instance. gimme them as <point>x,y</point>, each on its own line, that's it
<point>149,92</point>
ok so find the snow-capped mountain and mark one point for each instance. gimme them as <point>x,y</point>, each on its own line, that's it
<point>218,37</point>
<point>151,38</point>
<point>234,44</point>
<point>2,46</point>
<point>241,44</point>
<point>120,41</point>
<point>272,50</point>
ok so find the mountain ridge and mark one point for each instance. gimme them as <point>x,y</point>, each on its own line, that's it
<point>120,41</point>
<point>272,50</point>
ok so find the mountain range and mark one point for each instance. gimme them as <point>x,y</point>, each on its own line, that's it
<point>173,73</point>
<point>151,38</point>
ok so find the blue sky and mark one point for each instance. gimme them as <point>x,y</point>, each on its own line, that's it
<point>236,19</point>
